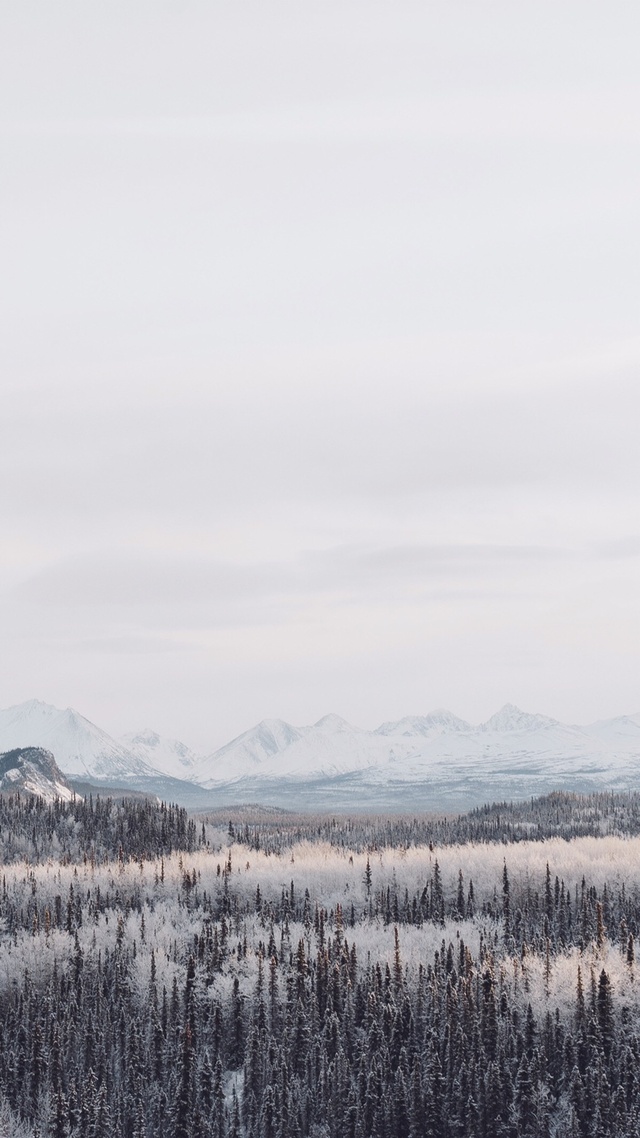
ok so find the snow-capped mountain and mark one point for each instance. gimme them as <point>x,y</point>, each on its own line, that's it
<point>251,751</point>
<point>437,760</point>
<point>621,731</point>
<point>274,749</point>
<point>511,718</point>
<point>169,756</point>
<point>440,722</point>
<point>80,748</point>
<point>32,770</point>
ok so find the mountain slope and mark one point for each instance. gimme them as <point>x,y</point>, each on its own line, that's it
<point>80,748</point>
<point>253,751</point>
<point>169,756</point>
<point>275,749</point>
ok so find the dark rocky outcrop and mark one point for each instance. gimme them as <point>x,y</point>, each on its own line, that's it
<point>33,770</point>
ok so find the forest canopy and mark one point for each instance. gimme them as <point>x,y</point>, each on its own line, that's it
<point>167,976</point>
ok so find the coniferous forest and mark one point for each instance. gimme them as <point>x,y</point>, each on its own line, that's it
<point>263,975</point>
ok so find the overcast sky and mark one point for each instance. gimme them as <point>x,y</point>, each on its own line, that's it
<point>320,360</point>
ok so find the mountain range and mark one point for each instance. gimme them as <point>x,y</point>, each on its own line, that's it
<point>436,761</point>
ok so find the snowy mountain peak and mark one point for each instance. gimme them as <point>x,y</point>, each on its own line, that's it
<point>275,734</point>
<point>439,721</point>
<point>79,747</point>
<point>31,707</point>
<point>334,724</point>
<point>147,737</point>
<point>511,718</point>
<point>622,726</point>
<point>169,756</point>
<point>261,743</point>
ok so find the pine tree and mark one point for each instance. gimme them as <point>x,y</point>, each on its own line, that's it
<point>605,1013</point>
<point>184,1104</point>
<point>217,1127</point>
<point>524,1117</point>
<point>438,895</point>
<point>506,903</point>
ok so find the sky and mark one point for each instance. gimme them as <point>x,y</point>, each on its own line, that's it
<point>320,360</point>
